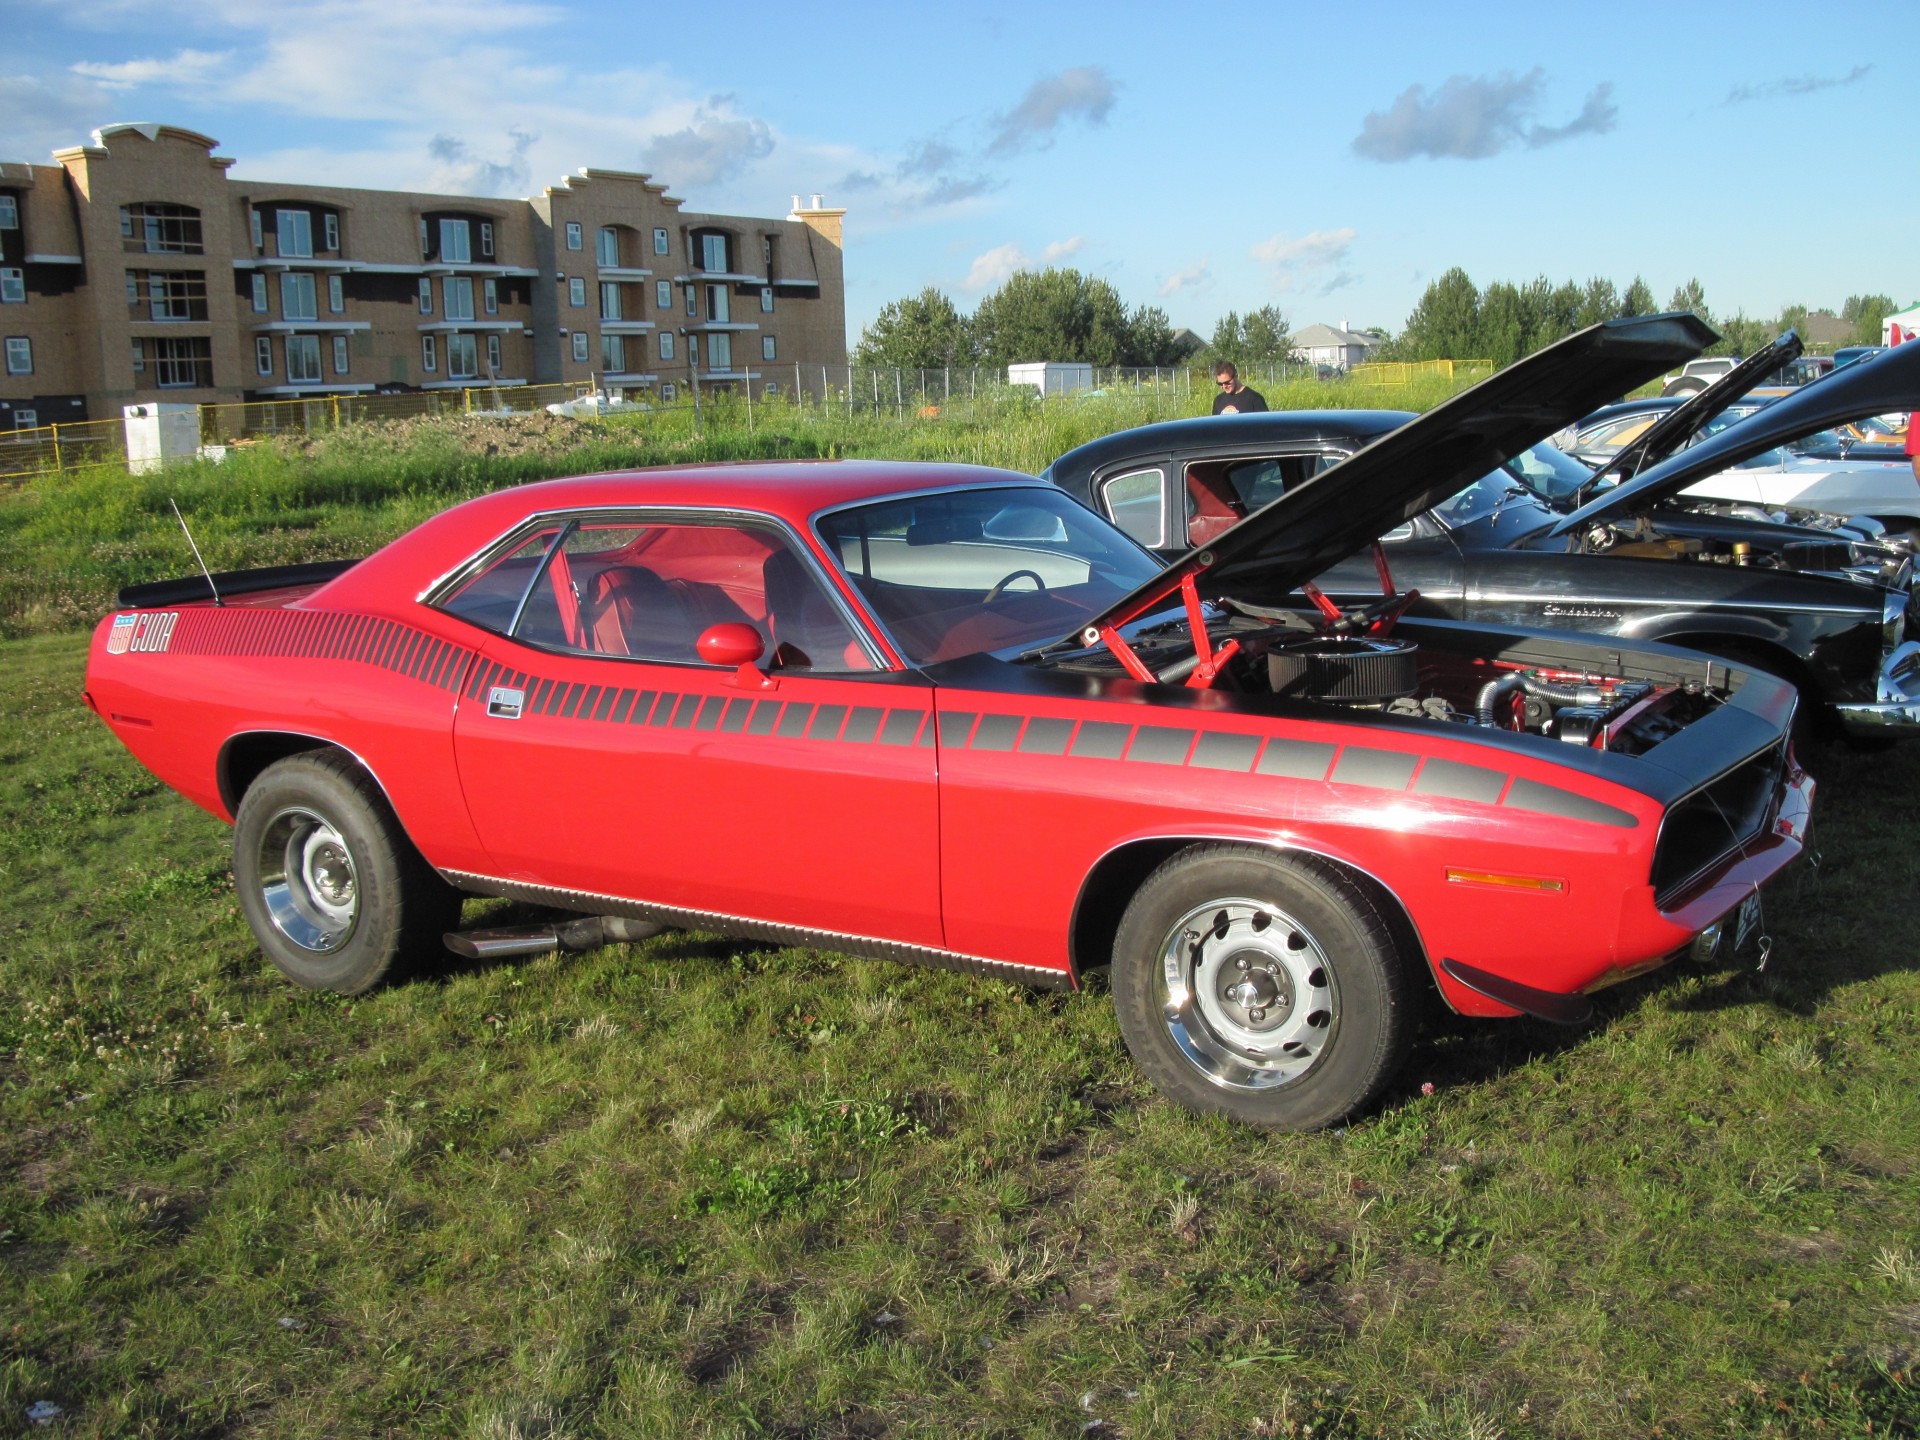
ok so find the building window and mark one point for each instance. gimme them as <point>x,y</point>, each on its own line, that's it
<point>663,294</point>
<point>139,357</point>
<point>19,355</point>
<point>180,295</point>
<point>573,234</point>
<point>426,296</point>
<point>425,247</point>
<point>456,242</point>
<point>766,299</point>
<point>493,356</point>
<point>607,247</point>
<point>659,241</point>
<point>297,298</point>
<point>185,364</point>
<point>336,294</point>
<point>9,212</point>
<point>492,297</point>
<point>666,344</point>
<point>259,294</point>
<point>691,310</point>
<point>609,300</point>
<point>459,297</point>
<point>293,233</point>
<point>577,292</point>
<point>580,345</point>
<point>331,221</point>
<point>429,354</point>
<point>339,354</point>
<point>719,352</point>
<point>713,253</point>
<point>693,350</point>
<point>462,357</point>
<point>133,286</point>
<point>717,306</point>
<point>263,354</point>
<point>13,287</point>
<point>253,226</point>
<point>303,359</point>
<point>766,347</point>
<point>613,354</point>
<point>161,229</point>
<point>486,238</point>
<point>668,391</point>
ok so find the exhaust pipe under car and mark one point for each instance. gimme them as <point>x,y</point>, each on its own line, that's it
<point>588,932</point>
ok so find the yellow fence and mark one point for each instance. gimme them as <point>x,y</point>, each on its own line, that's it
<point>1385,372</point>
<point>42,448</point>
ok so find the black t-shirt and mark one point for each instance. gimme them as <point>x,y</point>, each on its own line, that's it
<point>1244,400</point>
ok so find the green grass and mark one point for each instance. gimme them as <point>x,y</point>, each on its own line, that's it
<point>697,1187</point>
<point>68,542</point>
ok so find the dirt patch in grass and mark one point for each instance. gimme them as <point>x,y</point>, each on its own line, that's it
<point>475,435</point>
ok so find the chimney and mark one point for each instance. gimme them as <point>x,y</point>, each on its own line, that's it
<point>818,204</point>
<point>796,203</point>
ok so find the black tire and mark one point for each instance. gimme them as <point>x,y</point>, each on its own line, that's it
<point>334,891</point>
<point>1306,1032</point>
<point>1683,388</point>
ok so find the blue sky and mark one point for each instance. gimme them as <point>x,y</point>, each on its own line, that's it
<point>1327,159</point>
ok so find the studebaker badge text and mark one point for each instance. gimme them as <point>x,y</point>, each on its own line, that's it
<point>139,634</point>
<point>1582,612</point>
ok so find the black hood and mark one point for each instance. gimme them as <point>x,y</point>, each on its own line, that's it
<point>1314,526</point>
<point>1886,382</point>
<point>1678,425</point>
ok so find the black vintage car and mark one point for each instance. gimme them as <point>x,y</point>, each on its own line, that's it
<point>1525,544</point>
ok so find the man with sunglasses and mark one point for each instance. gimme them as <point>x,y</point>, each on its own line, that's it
<point>1234,398</point>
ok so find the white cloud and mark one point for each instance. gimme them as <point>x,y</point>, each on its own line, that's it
<point>39,115</point>
<point>1084,92</point>
<point>1195,277</point>
<point>1288,260</point>
<point>1061,249</point>
<point>187,67</point>
<point>1472,117</point>
<point>994,268</point>
<point>717,145</point>
<point>461,172</point>
<point>1795,85</point>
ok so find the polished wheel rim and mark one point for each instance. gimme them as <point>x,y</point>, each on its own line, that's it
<point>1247,994</point>
<point>308,880</point>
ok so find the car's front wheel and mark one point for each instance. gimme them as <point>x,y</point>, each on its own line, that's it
<point>1263,986</point>
<point>334,891</point>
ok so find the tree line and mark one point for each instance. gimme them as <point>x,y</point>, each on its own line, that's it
<point>1455,320</point>
<point>1062,314</point>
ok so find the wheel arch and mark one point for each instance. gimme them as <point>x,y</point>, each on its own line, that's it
<point>1111,884</point>
<point>246,756</point>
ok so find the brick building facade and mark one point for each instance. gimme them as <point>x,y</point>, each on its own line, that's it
<point>135,268</point>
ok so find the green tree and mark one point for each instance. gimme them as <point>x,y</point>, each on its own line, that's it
<point>1741,336</point>
<point>1445,324</point>
<point>1505,323</point>
<point>1053,315</point>
<point>1691,297</point>
<point>1150,338</point>
<point>1600,301</point>
<point>1638,299</point>
<point>1868,313</point>
<point>921,332</point>
<point>1792,317</point>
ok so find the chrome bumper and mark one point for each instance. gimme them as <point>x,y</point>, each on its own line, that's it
<point>1895,709</point>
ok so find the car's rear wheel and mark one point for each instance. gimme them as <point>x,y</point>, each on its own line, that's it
<point>333,890</point>
<point>1263,986</point>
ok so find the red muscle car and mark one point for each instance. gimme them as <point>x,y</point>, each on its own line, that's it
<point>947,715</point>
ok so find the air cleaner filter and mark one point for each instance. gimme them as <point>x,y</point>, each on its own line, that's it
<point>1355,670</point>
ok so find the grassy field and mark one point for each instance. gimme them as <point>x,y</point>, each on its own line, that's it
<point>704,1188</point>
<point>699,1187</point>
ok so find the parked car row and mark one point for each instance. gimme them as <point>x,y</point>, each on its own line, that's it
<point>1279,720</point>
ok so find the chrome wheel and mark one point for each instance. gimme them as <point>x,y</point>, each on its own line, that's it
<point>1247,994</point>
<point>308,881</point>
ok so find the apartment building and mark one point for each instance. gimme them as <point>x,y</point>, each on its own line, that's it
<point>135,268</point>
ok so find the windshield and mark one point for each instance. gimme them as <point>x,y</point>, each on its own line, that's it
<point>1551,474</point>
<point>969,571</point>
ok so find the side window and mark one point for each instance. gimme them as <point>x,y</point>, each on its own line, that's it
<point>1136,503</point>
<point>626,587</point>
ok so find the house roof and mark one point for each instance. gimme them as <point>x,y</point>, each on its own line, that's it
<point>1316,335</point>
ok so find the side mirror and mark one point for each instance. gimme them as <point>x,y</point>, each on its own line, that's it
<point>738,645</point>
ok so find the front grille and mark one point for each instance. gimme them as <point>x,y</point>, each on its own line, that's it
<point>1716,820</point>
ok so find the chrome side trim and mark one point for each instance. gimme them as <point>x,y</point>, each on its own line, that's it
<point>589,903</point>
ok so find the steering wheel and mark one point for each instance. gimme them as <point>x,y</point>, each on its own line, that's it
<point>1007,579</point>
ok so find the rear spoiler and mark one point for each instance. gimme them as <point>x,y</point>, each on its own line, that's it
<point>194,588</point>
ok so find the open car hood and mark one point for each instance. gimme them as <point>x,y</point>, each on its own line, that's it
<point>1678,425</point>
<point>1314,526</point>
<point>1888,381</point>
